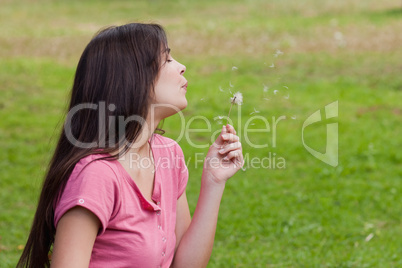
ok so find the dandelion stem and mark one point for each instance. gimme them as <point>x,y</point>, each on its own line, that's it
<point>227,119</point>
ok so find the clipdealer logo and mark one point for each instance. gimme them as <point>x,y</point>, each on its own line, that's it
<point>330,156</point>
<point>110,124</point>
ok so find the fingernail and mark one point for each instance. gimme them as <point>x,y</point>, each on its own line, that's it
<point>225,158</point>
<point>225,136</point>
<point>221,151</point>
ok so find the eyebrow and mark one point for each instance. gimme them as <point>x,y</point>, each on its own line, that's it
<point>167,50</point>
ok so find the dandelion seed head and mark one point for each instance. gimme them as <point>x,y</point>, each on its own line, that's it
<point>237,98</point>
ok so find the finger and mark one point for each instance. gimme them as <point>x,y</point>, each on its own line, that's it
<point>230,137</point>
<point>224,129</point>
<point>231,129</point>
<point>220,141</point>
<point>230,147</point>
<point>234,156</point>
<point>238,159</point>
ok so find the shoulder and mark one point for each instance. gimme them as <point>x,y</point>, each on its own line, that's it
<point>93,184</point>
<point>95,166</point>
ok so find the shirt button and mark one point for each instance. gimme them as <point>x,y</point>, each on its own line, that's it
<point>158,203</point>
<point>159,226</point>
<point>164,239</point>
<point>158,212</point>
<point>163,254</point>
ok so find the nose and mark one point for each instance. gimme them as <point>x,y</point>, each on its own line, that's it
<point>182,69</point>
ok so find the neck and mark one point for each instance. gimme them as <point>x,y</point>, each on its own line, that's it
<point>141,145</point>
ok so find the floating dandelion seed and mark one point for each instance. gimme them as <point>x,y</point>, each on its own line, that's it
<point>338,36</point>
<point>278,53</point>
<point>219,122</point>
<point>221,89</point>
<point>236,99</point>
<point>286,87</point>
<point>255,111</point>
<point>266,99</point>
<point>275,91</point>
<point>265,89</point>
<point>286,97</point>
<point>369,237</point>
<point>234,68</point>
<point>220,117</point>
<point>293,117</point>
<point>202,99</point>
<point>272,65</point>
<point>252,124</point>
<point>339,39</point>
<point>230,84</point>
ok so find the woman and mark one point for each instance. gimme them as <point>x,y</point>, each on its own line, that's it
<point>107,199</point>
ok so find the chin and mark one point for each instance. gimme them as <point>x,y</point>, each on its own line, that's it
<point>166,110</point>
<point>184,106</point>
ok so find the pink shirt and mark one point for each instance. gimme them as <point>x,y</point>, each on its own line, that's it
<point>134,232</point>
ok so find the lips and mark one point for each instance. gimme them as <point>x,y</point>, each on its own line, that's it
<point>185,86</point>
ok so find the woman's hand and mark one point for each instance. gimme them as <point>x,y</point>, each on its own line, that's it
<point>224,157</point>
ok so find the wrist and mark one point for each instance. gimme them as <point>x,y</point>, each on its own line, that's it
<point>209,180</point>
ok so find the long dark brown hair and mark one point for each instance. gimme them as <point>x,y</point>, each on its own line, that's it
<point>117,70</point>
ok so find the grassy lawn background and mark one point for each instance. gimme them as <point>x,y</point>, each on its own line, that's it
<point>306,215</point>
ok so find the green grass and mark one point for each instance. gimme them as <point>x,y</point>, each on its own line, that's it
<point>306,215</point>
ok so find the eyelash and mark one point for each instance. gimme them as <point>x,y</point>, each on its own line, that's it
<point>169,60</point>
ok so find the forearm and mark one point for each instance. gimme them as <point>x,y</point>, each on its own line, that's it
<point>196,245</point>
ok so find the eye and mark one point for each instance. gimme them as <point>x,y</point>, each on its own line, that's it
<point>169,60</point>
